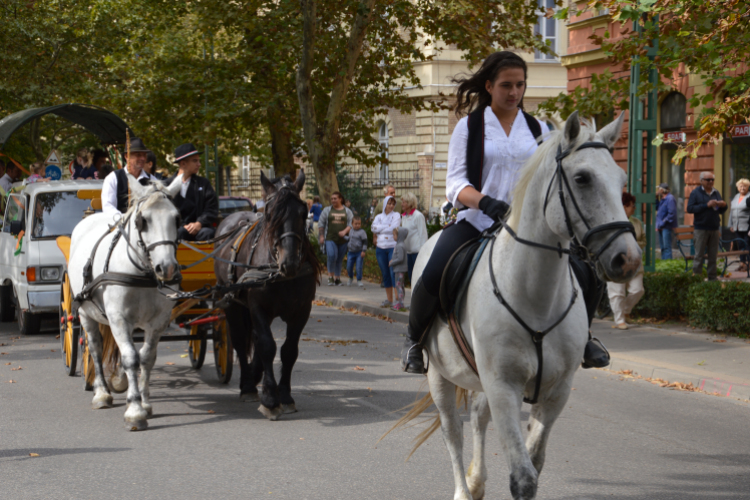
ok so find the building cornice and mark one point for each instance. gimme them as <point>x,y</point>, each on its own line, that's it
<point>596,22</point>
<point>586,58</point>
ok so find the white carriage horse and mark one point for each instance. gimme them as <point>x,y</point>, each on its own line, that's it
<point>570,187</point>
<point>125,264</point>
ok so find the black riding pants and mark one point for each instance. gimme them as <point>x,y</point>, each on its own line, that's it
<point>457,234</point>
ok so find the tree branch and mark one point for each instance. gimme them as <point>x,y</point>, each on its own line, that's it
<point>304,84</point>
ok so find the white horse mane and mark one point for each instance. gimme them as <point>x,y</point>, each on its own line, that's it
<point>149,191</point>
<point>546,150</point>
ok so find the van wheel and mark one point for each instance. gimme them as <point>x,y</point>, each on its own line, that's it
<point>7,306</point>
<point>28,323</point>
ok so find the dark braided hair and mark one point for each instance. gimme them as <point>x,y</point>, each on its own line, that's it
<point>472,93</point>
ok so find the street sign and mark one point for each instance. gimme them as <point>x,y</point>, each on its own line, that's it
<point>675,136</point>
<point>741,130</point>
<point>54,172</point>
<point>53,158</point>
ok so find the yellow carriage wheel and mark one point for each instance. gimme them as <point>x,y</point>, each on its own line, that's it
<point>69,328</point>
<point>223,353</point>
<point>197,346</point>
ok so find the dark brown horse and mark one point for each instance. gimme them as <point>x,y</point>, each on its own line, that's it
<point>279,238</point>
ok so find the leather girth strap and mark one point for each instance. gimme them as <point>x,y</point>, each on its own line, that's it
<point>236,248</point>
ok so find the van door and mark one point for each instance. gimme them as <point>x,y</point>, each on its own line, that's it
<point>10,263</point>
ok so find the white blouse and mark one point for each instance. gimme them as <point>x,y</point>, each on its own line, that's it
<point>503,158</point>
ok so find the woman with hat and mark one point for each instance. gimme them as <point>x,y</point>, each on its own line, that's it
<point>115,196</point>
<point>197,200</point>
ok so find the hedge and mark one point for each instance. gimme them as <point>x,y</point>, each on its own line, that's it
<point>666,294</point>
<point>719,305</point>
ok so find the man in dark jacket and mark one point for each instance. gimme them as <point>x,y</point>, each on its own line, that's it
<point>666,219</point>
<point>197,200</point>
<point>706,205</point>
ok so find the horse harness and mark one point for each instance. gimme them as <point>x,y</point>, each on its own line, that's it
<point>537,336</point>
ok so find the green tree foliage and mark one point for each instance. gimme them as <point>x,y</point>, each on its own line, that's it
<point>708,39</point>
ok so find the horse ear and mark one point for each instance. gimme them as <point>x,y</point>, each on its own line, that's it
<point>611,133</point>
<point>136,189</point>
<point>268,187</point>
<point>175,186</point>
<point>572,129</point>
<point>300,181</point>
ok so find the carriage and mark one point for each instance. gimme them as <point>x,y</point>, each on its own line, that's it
<point>199,320</point>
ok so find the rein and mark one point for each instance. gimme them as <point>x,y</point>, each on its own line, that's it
<point>619,228</point>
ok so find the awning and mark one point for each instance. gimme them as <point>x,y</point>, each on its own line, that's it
<point>107,126</point>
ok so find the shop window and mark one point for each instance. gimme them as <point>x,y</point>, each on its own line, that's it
<point>673,112</point>
<point>736,165</point>
<point>547,29</point>
<point>674,175</point>
<point>383,139</point>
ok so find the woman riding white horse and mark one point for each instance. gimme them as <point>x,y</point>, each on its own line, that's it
<point>138,253</point>
<point>486,152</point>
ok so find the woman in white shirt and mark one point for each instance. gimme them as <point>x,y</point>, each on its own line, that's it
<point>413,220</point>
<point>486,153</point>
<point>382,231</point>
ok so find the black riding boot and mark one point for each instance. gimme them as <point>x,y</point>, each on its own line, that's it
<point>595,355</point>
<point>423,308</point>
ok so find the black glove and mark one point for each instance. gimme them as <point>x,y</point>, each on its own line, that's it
<point>495,209</point>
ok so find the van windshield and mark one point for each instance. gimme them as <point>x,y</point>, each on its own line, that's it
<point>57,213</point>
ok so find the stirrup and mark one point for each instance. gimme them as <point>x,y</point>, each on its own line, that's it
<point>426,365</point>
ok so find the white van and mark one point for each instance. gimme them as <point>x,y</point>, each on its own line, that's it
<point>31,264</point>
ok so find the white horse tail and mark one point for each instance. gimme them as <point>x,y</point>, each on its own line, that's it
<point>417,408</point>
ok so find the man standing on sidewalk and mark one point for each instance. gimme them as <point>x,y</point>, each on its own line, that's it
<point>706,204</point>
<point>666,219</point>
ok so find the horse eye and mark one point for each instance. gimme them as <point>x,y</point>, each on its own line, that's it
<point>582,179</point>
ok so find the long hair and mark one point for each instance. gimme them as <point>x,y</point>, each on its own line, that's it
<point>472,93</point>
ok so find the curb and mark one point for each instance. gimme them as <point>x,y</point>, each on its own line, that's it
<point>399,317</point>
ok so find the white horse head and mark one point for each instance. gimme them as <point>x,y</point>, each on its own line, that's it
<point>152,222</point>
<point>592,185</point>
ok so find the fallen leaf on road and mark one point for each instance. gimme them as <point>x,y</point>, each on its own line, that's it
<point>210,411</point>
<point>3,353</point>
<point>301,439</point>
<point>185,350</point>
<point>183,355</point>
<point>16,369</point>
<point>33,454</point>
<point>2,344</point>
<point>358,368</point>
<point>169,363</point>
<point>11,382</point>
<point>52,350</point>
<point>57,336</point>
<point>720,340</point>
<point>320,321</point>
<point>15,338</point>
<point>6,364</point>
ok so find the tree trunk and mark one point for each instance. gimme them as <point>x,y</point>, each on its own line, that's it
<point>35,139</point>
<point>281,144</point>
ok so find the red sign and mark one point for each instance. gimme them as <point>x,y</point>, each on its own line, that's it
<point>741,130</point>
<point>675,136</point>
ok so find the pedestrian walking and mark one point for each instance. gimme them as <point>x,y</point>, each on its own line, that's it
<point>382,229</point>
<point>666,219</point>
<point>334,225</point>
<point>399,266</point>
<point>357,250</point>
<point>624,296</point>
<point>706,205</point>
<point>413,220</point>
<point>739,218</point>
<point>316,208</point>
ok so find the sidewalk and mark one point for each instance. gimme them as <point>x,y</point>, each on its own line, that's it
<point>711,362</point>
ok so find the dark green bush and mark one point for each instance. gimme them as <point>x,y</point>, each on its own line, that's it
<point>719,305</point>
<point>666,294</point>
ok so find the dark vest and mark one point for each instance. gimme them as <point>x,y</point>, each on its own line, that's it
<point>123,190</point>
<point>475,144</point>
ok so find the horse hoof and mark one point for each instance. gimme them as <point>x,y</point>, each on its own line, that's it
<point>136,425</point>
<point>102,402</point>
<point>149,409</point>
<point>292,408</point>
<point>250,397</point>
<point>270,414</point>
<point>117,384</point>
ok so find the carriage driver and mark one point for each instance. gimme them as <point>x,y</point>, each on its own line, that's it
<point>115,193</point>
<point>196,201</point>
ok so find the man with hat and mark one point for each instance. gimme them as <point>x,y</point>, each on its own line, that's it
<point>666,219</point>
<point>115,193</point>
<point>197,200</point>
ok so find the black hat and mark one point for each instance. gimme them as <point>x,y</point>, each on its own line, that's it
<point>185,151</point>
<point>137,146</point>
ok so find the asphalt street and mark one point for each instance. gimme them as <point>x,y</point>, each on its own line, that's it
<point>619,438</point>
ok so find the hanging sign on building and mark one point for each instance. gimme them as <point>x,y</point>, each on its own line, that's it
<point>675,136</point>
<point>741,130</point>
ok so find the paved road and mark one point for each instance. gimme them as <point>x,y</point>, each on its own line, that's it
<point>624,439</point>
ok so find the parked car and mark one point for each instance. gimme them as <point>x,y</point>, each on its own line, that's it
<point>231,204</point>
<point>31,264</point>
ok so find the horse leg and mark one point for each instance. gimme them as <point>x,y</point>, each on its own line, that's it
<point>238,324</point>
<point>102,396</point>
<point>444,395</point>
<point>480,418</point>
<point>135,414</point>
<point>265,345</point>
<point>543,415</point>
<point>505,404</point>
<point>147,356</point>
<point>288,354</point>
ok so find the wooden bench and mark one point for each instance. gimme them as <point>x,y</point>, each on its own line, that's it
<point>685,236</point>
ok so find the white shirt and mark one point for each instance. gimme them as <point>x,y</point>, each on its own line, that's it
<point>417,227</point>
<point>109,192</point>
<point>503,158</point>
<point>6,183</point>
<point>184,187</point>
<point>383,226</point>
